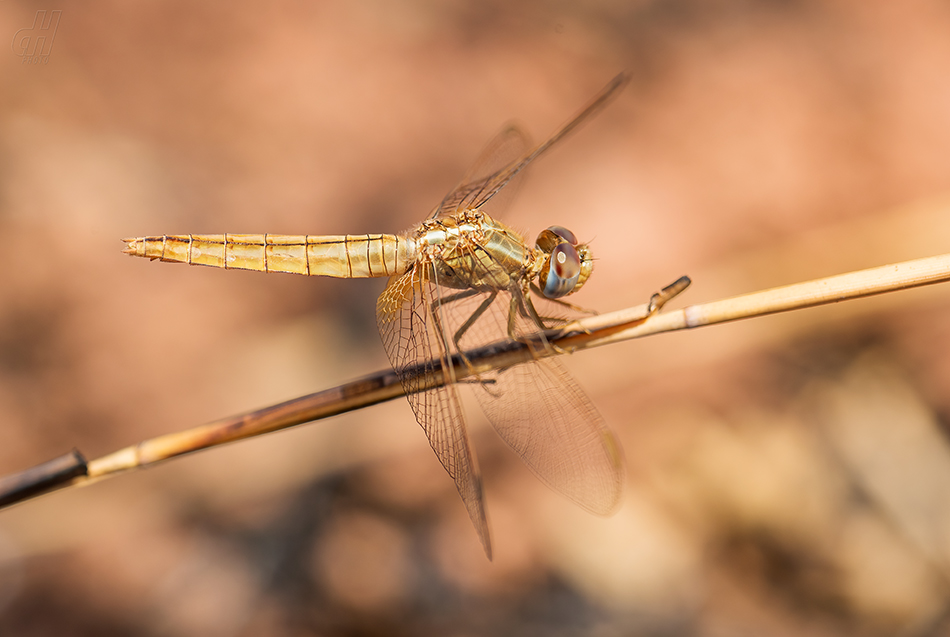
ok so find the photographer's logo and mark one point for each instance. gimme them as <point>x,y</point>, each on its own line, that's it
<point>33,45</point>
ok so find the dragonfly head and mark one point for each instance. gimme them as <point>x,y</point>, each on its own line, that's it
<point>567,265</point>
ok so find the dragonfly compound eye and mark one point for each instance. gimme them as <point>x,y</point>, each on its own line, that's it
<point>561,271</point>
<point>554,235</point>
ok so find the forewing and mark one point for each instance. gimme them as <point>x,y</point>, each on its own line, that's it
<point>477,193</point>
<point>541,412</point>
<point>507,147</point>
<point>415,349</point>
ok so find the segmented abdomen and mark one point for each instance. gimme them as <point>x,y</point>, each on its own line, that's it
<point>344,256</point>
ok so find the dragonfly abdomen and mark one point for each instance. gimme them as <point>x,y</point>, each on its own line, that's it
<point>343,256</point>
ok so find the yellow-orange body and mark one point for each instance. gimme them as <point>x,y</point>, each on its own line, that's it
<point>467,250</point>
<point>366,255</point>
<point>536,408</point>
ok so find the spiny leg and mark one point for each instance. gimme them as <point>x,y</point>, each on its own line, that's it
<point>439,302</point>
<point>570,306</point>
<point>452,298</point>
<point>460,332</point>
<point>552,322</point>
<point>521,305</point>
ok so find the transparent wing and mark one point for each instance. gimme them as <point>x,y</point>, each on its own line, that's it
<point>506,148</point>
<point>538,408</point>
<point>476,192</point>
<point>415,349</point>
<point>559,434</point>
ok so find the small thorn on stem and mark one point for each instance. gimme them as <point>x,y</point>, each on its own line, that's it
<point>658,300</point>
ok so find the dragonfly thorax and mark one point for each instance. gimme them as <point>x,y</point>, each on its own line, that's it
<point>471,250</point>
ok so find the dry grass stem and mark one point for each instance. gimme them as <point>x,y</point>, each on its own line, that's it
<point>604,329</point>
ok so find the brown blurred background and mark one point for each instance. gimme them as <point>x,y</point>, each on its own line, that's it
<point>786,476</point>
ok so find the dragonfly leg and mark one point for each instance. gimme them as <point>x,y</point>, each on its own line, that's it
<point>439,302</point>
<point>457,337</point>
<point>460,332</point>
<point>433,310</point>
<point>570,306</point>
<point>458,296</point>
<point>522,304</point>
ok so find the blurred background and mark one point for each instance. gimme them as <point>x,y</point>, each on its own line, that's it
<point>788,475</point>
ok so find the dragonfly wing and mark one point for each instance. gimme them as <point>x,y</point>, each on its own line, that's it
<point>539,410</point>
<point>416,350</point>
<point>559,434</point>
<point>476,194</point>
<point>506,148</point>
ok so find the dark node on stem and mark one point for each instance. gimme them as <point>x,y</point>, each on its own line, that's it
<point>42,478</point>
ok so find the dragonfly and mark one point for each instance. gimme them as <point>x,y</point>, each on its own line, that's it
<point>458,281</point>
